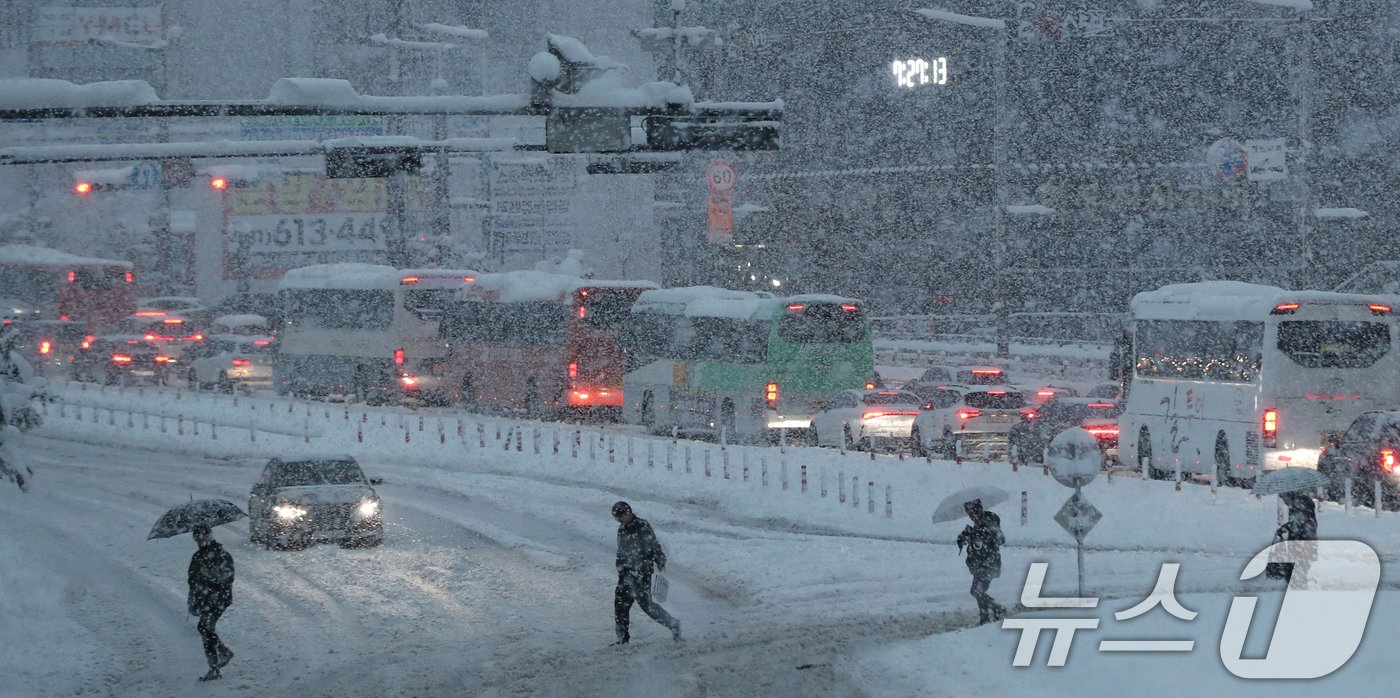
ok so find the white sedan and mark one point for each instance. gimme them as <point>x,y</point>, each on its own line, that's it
<point>222,362</point>
<point>860,418</point>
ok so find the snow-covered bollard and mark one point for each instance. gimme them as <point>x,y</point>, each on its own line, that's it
<point>1346,495</point>
<point>651,462</point>
<point>629,450</point>
<point>707,462</point>
<point>763,470</point>
<point>520,440</point>
<point>840,487</point>
<point>804,478</point>
<point>1378,503</point>
<point>420,422</point>
<point>822,485</point>
<point>855,492</point>
<point>889,502</point>
<point>1025,507</point>
<point>870,497</point>
<point>724,462</point>
<point>687,459</point>
<point>782,472</point>
<point>612,449</point>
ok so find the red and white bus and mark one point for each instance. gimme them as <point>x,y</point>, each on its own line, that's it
<point>56,285</point>
<point>547,344</point>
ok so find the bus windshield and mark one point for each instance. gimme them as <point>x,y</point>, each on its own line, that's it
<point>606,308</point>
<point>650,337</point>
<point>1333,344</point>
<point>36,286</point>
<point>528,323</point>
<point>821,323</point>
<point>1199,350</point>
<point>344,309</point>
<point>99,278</point>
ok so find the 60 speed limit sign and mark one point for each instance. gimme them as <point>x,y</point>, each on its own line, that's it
<point>721,177</point>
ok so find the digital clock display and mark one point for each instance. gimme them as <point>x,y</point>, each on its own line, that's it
<point>917,72</point>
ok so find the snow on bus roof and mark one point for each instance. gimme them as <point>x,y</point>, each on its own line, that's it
<point>352,275</point>
<point>1223,300</point>
<point>532,286</point>
<point>30,254</point>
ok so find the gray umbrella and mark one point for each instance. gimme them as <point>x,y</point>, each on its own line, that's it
<point>951,508</point>
<point>1289,480</point>
<point>191,515</point>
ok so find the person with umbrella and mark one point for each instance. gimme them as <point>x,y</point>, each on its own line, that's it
<point>983,540</point>
<point>1300,529</point>
<point>211,570</point>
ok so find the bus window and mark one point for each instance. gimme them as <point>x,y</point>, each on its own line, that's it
<point>724,339</point>
<point>427,303</point>
<point>528,323</point>
<point>98,279</point>
<point>821,323</point>
<point>341,308</point>
<point>606,308</point>
<point>38,286</point>
<point>1333,344</point>
<point>1197,350</point>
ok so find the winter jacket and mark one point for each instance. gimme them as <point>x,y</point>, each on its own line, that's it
<point>983,540</point>
<point>637,547</point>
<point>211,580</point>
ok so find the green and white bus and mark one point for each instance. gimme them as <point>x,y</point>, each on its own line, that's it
<point>704,360</point>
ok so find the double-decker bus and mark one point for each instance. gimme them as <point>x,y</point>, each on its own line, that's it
<point>362,330</point>
<point>56,285</point>
<point>706,360</point>
<point>547,344</point>
<point>1240,379</point>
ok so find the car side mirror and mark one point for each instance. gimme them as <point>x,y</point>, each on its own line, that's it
<point>376,481</point>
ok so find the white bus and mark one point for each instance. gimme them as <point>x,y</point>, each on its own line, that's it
<point>1240,378</point>
<point>362,329</point>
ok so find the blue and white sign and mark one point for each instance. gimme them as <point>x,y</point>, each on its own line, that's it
<point>1227,159</point>
<point>145,175</point>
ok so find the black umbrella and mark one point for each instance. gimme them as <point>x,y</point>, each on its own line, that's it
<point>191,515</point>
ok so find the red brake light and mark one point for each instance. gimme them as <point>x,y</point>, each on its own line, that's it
<point>1030,414</point>
<point>82,188</point>
<point>582,311</point>
<point>1379,309</point>
<point>45,347</point>
<point>996,392</point>
<point>121,359</point>
<point>130,277</point>
<point>870,385</point>
<point>770,393</point>
<point>261,342</point>
<point>1285,308</point>
<point>163,359</point>
<point>573,369</point>
<point>1388,460</point>
<point>150,313</point>
<point>1102,431</point>
<point>72,276</point>
<point>410,280</point>
<point>849,307</point>
<point>986,372</point>
<point>173,321</point>
<point>882,413</point>
<point>1270,428</point>
<point>150,338</point>
<point>969,414</point>
<point>469,279</point>
<point>409,381</point>
<point>240,362</point>
<point>797,306</point>
<point>398,357</point>
<point>1045,393</point>
<point>133,341</point>
<point>218,183</point>
<point>1101,404</point>
<point>583,293</point>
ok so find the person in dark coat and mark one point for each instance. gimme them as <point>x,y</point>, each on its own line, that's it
<point>638,552</point>
<point>211,593</point>
<point>983,540</point>
<point>1300,526</point>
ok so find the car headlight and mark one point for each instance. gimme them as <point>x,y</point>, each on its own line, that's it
<point>369,507</point>
<point>289,512</point>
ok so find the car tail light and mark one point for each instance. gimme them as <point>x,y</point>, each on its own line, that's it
<point>409,381</point>
<point>173,321</point>
<point>770,395</point>
<point>150,313</point>
<point>241,362</point>
<point>150,338</point>
<point>87,341</point>
<point>986,372</point>
<point>1045,393</point>
<point>410,280</point>
<point>1102,432</point>
<point>996,392</point>
<point>130,277</point>
<point>163,359</point>
<point>45,347</point>
<point>1029,415</point>
<point>1387,461</point>
<point>1270,428</point>
<point>870,385</point>
<point>1379,309</point>
<point>796,306</point>
<point>885,413</point>
<point>398,357</point>
<point>1102,404</point>
<point>1284,309</point>
<point>121,359</point>
<point>969,414</point>
<point>72,276</point>
<point>849,307</point>
<point>261,342</point>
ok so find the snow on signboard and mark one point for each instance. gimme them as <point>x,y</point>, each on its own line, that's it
<point>1267,159</point>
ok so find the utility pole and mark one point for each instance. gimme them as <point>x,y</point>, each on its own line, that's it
<point>1000,292</point>
<point>1302,37</point>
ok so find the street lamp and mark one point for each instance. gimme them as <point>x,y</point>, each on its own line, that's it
<point>1001,306</point>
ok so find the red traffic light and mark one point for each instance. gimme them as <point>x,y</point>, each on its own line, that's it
<point>83,188</point>
<point>218,183</point>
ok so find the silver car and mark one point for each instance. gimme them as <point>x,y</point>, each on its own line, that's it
<point>302,501</point>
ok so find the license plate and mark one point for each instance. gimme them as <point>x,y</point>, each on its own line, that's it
<point>143,373</point>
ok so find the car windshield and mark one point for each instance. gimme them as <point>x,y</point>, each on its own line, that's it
<point>316,472</point>
<point>995,400</point>
<point>984,376</point>
<point>891,397</point>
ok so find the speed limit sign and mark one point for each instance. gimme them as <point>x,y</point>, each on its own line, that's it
<point>721,177</point>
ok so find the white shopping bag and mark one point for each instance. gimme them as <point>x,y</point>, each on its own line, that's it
<point>659,587</point>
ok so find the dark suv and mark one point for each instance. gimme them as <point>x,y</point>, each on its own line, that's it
<point>1367,452</point>
<point>301,501</point>
<point>121,360</point>
<point>1038,426</point>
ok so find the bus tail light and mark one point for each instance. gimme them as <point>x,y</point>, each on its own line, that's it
<point>849,307</point>
<point>582,311</point>
<point>872,414</point>
<point>1379,309</point>
<point>130,277</point>
<point>241,362</point>
<point>870,385</point>
<point>409,381</point>
<point>398,357</point>
<point>770,395</point>
<point>45,347</point>
<point>969,414</point>
<point>573,370</point>
<point>163,359</point>
<point>121,359</point>
<point>1271,428</point>
<point>87,341</point>
<point>72,276</point>
<point>1387,461</point>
